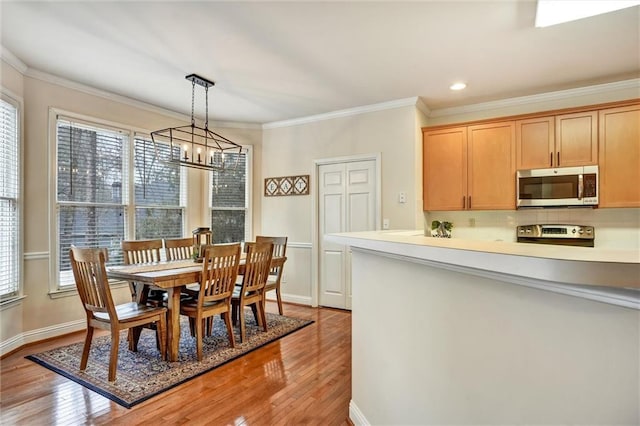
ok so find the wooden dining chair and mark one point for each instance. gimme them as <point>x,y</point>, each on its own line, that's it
<point>178,248</point>
<point>219,274</point>
<point>140,251</point>
<point>251,292</point>
<point>135,252</point>
<point>93,287</point>
<point>275,274</point>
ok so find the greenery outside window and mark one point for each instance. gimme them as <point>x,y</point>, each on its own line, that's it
<point>229,200</point>
<point>159,192</point>
<point>90,191</point>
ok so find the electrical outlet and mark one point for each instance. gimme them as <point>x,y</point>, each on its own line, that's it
<point>402,197</point>
<point>385,223</point>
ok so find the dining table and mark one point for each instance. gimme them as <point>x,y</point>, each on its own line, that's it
<point>170,276</point>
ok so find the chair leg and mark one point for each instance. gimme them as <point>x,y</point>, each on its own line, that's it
<point>161,335</point>
<point>227,320</point>
<point>280,311</point>
<point>256,313</point>
<point>263,315</point>
<point>113,359</point>
<point>134,338</point>
<point>199,322</point>
<point>242,326</point>
<point>86,348</point>
<point>234,313</point>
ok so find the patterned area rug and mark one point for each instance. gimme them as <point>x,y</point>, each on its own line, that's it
<point>143,375</point>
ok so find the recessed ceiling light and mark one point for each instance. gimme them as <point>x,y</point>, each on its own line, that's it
<point>457,86</point>
<point>552,12</point>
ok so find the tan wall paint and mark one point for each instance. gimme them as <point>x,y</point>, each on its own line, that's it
<point>292,150</point>
<point>39,96</point>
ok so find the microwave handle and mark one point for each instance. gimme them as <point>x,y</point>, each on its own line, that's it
<point>580,186</point>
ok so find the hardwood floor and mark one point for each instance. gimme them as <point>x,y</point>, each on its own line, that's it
<point>301,379</point>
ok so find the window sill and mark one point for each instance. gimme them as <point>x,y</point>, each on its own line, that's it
<point>71,291</point>
<point>10,303</point>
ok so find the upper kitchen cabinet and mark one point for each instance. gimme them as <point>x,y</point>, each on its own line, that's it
<point>535,143</point>
<point>576,139</point>
<point>469,168</point>
<point>557,141</point>
<point>620,157</point>
<point>444,168</point>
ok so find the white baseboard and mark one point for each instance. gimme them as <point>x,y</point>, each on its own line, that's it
<point>41,334</point>
<point>291,298</point>
<point>356,416</point>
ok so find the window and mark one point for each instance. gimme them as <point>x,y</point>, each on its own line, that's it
<point>229,201</point>
<point>110,187</point>
<point>91,190</point>
<point>159,205</point>
<point>9,200</point>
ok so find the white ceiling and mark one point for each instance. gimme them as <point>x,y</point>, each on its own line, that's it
<point>275,61</point>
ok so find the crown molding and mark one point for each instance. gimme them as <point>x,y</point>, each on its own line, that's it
<point>12,60</point>
<point>26,71</point>
<point>53,79</point>
<point>423,107</point>
<point>542,97</point>
<point>399,103</point>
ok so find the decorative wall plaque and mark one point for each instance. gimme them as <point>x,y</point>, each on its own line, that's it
<point>286,185</point>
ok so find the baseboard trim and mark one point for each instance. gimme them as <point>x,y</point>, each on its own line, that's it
<point>291,298</point>
<point>356,416</point>
<point>22,339</point>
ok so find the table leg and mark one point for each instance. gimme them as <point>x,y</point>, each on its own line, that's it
<point>173,329</point>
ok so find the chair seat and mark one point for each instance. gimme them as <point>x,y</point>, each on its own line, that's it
<point>131,311</point>
<point>191,305</point>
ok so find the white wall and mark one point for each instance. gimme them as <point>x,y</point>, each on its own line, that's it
<point>432,346</point>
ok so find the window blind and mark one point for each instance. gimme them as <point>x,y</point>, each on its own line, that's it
<point>229,201</point>
<point>9,197</point>
<point>91,191</point>
<point>158,189</point>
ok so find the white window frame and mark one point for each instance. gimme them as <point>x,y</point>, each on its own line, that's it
<point>18,104</point>
<point>248,214</point>
<point>56,288</point>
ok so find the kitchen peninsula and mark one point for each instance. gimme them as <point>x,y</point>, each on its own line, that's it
<point>459,331</point>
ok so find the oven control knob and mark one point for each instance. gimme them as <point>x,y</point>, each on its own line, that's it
<point>573,230</point>
<point>581,231</point>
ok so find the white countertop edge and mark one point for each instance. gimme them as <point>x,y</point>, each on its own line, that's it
<point>578,267</point>
<point>628,298</point>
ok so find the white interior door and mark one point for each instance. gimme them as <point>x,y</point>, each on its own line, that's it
<point>347,203</point>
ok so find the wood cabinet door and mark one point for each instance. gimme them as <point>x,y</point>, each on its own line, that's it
<point>444,168</point>
<point>620,157</point>
<point>491,182</point>
<point>535,143</point>
<point>576,139</point>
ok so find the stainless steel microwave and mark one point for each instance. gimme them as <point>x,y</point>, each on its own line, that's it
<point>560,187</point>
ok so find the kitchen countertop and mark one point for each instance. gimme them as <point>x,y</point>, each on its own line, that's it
<point>534,265</point>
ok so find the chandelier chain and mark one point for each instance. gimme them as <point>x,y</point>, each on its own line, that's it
<point>193,95</point>
<point>206,108</point>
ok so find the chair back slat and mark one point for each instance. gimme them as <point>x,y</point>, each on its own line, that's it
<point>90,275</point>
<point>141,251</point>
<point>178,248</point>
<point>257,267</point>
<point>220,272</point>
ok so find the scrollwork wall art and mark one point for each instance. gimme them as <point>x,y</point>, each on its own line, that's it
<point>286,185</point>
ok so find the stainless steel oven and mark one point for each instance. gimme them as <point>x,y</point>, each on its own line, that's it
<point>566,235</point>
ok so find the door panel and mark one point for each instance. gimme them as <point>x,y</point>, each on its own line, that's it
<point>347,203</point>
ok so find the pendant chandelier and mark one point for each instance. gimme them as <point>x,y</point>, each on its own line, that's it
<point>194,146</point>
